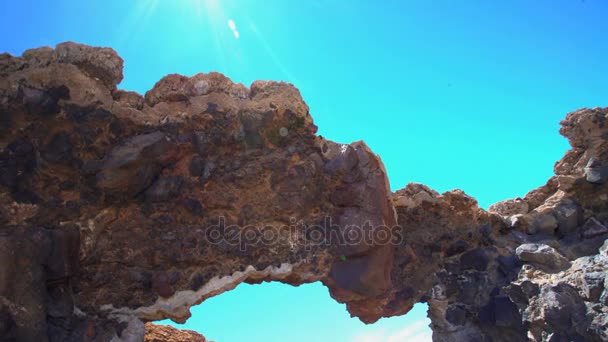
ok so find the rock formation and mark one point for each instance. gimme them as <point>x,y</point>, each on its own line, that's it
<point>163,333</point>
<point>119,209</point>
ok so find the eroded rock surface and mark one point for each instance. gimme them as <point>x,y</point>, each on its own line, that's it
<point>165,333</point>
<point>119,209</point>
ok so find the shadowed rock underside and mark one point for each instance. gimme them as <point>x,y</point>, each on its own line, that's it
<point>118,209</point>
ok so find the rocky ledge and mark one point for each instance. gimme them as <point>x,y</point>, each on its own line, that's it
<point>164,333</point>
<point>118,209</point>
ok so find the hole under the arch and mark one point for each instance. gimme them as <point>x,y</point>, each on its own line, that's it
<point>279,312</point>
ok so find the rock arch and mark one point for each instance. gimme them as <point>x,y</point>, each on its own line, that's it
<point>118,209</point>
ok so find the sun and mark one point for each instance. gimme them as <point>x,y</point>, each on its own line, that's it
<point>227,27</point>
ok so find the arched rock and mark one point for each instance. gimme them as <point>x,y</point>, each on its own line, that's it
<point>118,209</point>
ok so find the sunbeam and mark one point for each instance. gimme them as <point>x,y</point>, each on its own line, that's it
<point>275,59</point>
<point>135,24</point>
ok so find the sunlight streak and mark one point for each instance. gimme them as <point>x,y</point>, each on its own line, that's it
<point>141,13</point>
<point>270,52</point>
<point>214,13</point>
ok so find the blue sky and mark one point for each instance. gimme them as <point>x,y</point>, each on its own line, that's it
<point>452,94</point>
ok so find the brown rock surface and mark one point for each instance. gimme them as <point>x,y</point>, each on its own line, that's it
<point>118,209</point>
<point>165,333</point>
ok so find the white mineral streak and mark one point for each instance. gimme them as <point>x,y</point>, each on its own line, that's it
<point>177,307</point>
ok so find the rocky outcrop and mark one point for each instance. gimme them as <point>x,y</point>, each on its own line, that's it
<point>544,257</point>
<point>119,209</point>
<point>165,333</point>
<point>570,305</point>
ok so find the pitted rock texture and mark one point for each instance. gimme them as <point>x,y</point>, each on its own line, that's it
<point>165,333</point>
<point>119,209</point>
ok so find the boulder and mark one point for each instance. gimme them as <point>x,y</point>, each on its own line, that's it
<point>542,256</point>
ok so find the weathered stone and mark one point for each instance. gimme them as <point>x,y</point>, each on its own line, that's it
<point>604,297</point>
<point>17,161</point>
<point>193,206</point>
<point>132,166</point>
<point>368,276</point>
<point>501,312</point>
<point>164,188</point>
<point>59,149</point>
<point>457,247</point>
<point>596,172</point>
<point>508,265</point>
<point>544,224</point>
<point>344,161</point>
<point>593,285</point>
<point>40,57</point>
<point>569,216</point>
<point>604,248</point>
<point>476,259</point>
<point>510,207</point>
<point>543,256</point>
<point>593,228</point>
<point>43,102</point>
<point>456,315</point>
<point>153,205</point>
<point>161,284</point>
<point>130,99</point>
<point>100,63</point>
<point>520,222</point>
<point>171,88</point>
<point>200,141</point>
<point>197,166</point>
<point>165,333</point>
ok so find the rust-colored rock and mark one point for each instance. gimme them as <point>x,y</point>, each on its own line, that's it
<point>119,209</point>
<point>165,333</point>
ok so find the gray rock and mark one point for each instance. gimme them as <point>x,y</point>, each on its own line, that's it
<point>456,314</point>
<point>581,247</point>
<point>542,256</point>
<point>569,216</point>
<point>604,249</point>
<point>563,311</point>
<point>43,102</point>
<point>508,265</point>
<point>518,222</point>
<point>593,228</point>
<point>593,284</point>
<point>459,246</point>
<point>164,188</point>
<point>596,172</point>
<point>544,223</point>
<point>476,259</point>
<point>200,140</point>
<point>193,205</point>
<point>59,149</point>
<point>505,312</point>
<point>131,167</point>
<point>344,161</point>
<point>209,167</point>
<point>521,291</point>
<point>196,166</point>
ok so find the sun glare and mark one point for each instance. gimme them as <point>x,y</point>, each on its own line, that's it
<point>222,22</point>
<point>232,27</point>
